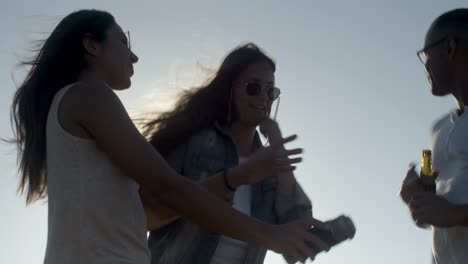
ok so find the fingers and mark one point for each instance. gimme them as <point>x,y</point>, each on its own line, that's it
<point>305,244</point>
<point>419,216</point>
<point>286,165</point>
<point>307,223</point>
<point>303,252</point>
<point>418,213</point>
<point>289,259</point>
<point>421,196</point>
<point>286,169</point>
<point>410,184</point>
<point>286,162</point>
<point>414,203</point>
<point>283,161</point>
<point>419,206</point>
<point>315,242</point>
<point>293,257</point>
<point>292,260</point>
<point>290,152</point>
<point>411,174</point>
<point>295,160</point>
<point>283,154</point>
<point>420,201</point>
<point>283,141</point>
<point>312,256</point>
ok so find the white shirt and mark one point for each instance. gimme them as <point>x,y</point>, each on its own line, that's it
<point>450,158</point>
<point>229,250</point>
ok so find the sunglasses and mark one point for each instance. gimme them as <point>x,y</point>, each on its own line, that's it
<point>255,88</point>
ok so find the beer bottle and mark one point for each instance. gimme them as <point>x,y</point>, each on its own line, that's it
<point>427,179</point>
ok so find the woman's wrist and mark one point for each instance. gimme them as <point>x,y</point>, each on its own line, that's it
<point>226,181</point>
<point>234,176</point>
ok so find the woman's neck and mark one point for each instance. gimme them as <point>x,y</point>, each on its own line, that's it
<point>243,137</point>
<point>90,74</point>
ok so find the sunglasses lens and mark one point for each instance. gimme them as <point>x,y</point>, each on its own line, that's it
<point>253,89</point>
<point>274,93</point>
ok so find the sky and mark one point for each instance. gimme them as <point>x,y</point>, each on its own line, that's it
<point>352,86</point>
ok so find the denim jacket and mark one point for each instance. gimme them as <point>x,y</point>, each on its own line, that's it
<point>203,155</point>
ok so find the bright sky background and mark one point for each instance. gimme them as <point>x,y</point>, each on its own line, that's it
<point>353,89</point>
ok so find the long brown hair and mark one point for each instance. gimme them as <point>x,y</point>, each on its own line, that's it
<point>57,63</point>
<point>199,108</point>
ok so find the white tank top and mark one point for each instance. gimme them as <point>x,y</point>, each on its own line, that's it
<point>95,213</point>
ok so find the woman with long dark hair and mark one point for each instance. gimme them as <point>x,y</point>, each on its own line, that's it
<point>214,128</point>
<point>79,148</point>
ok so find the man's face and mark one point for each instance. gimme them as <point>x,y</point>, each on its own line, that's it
<point>439,66</point>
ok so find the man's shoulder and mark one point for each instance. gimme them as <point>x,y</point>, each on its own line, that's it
<point>441,121</point>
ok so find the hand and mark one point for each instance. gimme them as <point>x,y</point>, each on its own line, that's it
<point>295,242</point>
<point>428,208</point>
<point>270,129</point>
<point>266,162</point>
<point>411,185</point>
<point>312,255</point>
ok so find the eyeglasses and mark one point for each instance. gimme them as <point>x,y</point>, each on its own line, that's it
<point>255,88</point>
<point>128,40</point>
<point>422,54</point>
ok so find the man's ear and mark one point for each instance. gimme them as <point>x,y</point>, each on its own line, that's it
<point>452,48</point>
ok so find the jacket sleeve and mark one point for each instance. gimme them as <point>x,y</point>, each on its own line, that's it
<point>292,207</point>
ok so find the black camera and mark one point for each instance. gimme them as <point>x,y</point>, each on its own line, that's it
<point>341,229</point>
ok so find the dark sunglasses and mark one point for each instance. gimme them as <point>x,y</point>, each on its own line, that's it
<point>255,88</point>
